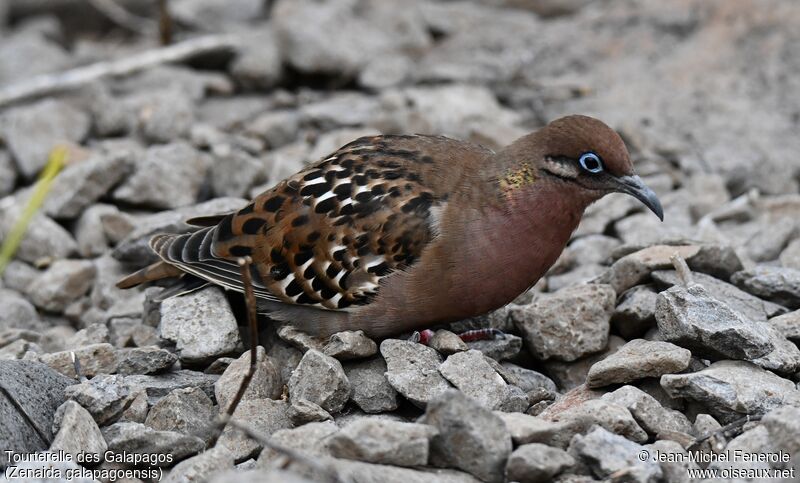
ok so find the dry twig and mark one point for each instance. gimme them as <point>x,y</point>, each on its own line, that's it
<point>71,79</point>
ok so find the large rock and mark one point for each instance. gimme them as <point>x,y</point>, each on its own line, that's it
<point>470,437</point>
<point>321,380</point>
<point>606,453</point>
<point>413,370</point>
<point>33,130</point>
<point>339,38</point>
<point>265,383</point>
<point>62,283</point>
<point>383,442</point>
<point>155,448</point>
<point>44,238</point>
<point>76,432</point>
<point>648,412</point>
<point>730,389</point>
<point>636,360</point>
<point>105,397</point>
<point>537,463</point>
<point>157,386</point>
<point>31,394</point>
<point>471,373</point>
<point>188,411</point>
<point>166,177</point>
<point>265,416</point>
<point>690,317</point>
<point>568,324</point>
<point>82,183</point>
<point>201,324</point>
<point>778,284</point>
<point>17,313</point>
<point>371,390</point>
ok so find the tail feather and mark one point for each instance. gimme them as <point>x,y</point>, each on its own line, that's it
<point>150,273</point>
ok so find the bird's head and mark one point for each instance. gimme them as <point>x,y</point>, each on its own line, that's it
<point>584,155</point>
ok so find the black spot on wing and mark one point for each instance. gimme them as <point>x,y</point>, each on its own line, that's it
<point>253,226</point>
<point>274,203</point>
<point>240,251</point>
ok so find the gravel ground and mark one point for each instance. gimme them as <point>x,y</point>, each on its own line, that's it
<point>612,356</point>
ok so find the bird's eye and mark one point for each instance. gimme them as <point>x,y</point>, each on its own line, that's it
<point>591,162</point>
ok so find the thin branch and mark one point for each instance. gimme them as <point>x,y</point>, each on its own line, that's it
<point>125,19</point>
<point>165,23</point>
<point>71,79</point>
<point>250,303</point>
<point>725,431</point>
<point>252,322</point>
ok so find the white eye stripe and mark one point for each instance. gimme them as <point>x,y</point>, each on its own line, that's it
<point>591,162</point>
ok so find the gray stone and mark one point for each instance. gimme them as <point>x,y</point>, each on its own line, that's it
<point>525,428</point>
<point>312,439</point>
<point>783,426</point>
<point>201,467</point>
<point>651,416</point>
<point>91,334</point>
<point>94,359</point>
<point>163,114</point>
<point>262,415</point>
<point>31,394</point>
<point>109,301</point>
<point>568,324</point>
<point>785,356</point>
<point>526,379</point>
<point>676,468</point>
<point>17,312</point>
<point>157,448</point>
<point>276,128</point>
<point>446,342</point>
<point>321,380</point>
<point>474,376</point>
<point>635,268</point>
<point>76,432</point>
<point>350,345</point>
<point>635,313</point>
<point>371,390</point>
<point>471,438</point>
<point>303,411</point>
<point>413,370</point>
<point>537,463</point>
<point>593,249</point>
<point>188,411</point>
<point>730,389</point>
<point>103,396</point>
<point>144,360</point>
<point>201,324</point>
<point>18,350</point>
<point>692,318</point>
<point>606,453</point>
<point>341,110</point>
<point>265,383</point>
<point>500,348</point>
<point>159,385</point>
<point>301,339</point>
<point>89,232</point>
<point>209,15</point>
<point>8,174</point>
<point>611,416</point>
<point>233,171</point>
<point>44,238</point>
<point>287,358</point>
<point>306,34</point>
<point>135,248</point>
<point>778,284</point>
<point>383,442</point>
<point>748,306</point>
<point>137,409</point>
<point>32,131</point>
<point>790,256</point>
<point>166,177</point>
<point>636,360</point>
<point>568,375</point>
<point>578,275</point>
<point>258,63</point>
<point>82,183</point>
<point>18,275</point>
<point>788,325</point>
<point>61,284</point>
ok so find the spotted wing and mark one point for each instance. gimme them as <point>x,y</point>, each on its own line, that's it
<point>326,236</point>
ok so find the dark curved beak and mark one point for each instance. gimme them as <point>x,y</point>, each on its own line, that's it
<point>634,186</point>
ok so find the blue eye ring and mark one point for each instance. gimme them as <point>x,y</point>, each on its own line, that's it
<point>591,162</point>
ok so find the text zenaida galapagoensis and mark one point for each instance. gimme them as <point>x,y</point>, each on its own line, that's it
<point>395,233</point>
